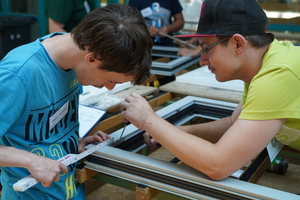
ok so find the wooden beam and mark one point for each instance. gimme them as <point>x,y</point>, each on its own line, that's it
<point>84,174</point>
<point>116,119</point>
<point>295,7</point>
<point>143,192</point>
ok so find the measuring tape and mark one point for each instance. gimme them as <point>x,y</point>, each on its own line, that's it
<point>29,181</point>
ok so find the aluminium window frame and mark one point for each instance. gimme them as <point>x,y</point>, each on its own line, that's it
<point>175,65</point>
<point>184,181</point>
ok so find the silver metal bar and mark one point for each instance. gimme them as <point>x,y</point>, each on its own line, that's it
<point>149,182</point>
<point>179,174</point>
<point>175,65</point>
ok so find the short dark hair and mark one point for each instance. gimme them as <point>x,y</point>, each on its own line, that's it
<point>256,41</point>
<point>118,36</point>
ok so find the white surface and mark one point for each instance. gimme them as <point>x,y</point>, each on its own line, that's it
<point>203,76</point>
<point>91,91</point>
<point>88,118</point>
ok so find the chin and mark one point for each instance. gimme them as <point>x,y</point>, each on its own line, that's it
<point>219,79</point>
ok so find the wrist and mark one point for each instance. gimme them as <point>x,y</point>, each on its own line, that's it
<point>149,122</point>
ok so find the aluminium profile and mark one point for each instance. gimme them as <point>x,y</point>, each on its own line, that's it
<point>175,65</point>
<point>176,179</point>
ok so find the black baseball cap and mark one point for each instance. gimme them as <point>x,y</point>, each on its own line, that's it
<point>228,17</point>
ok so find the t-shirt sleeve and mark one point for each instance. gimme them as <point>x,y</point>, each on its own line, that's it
<point>272,94</point>
<point>176,7</point>
<point>59,11</point>
<point>12,100</point>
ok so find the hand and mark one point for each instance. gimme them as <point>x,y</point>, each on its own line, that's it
<point>153,31</point>
<point>150,142</point>
<point>99,136</point>
<point>188,52</point>
<point>136,110</point>
<point>164,29</point>
<point>46,170</point>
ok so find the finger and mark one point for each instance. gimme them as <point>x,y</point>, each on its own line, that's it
<point>147,138</point>
<point>123,106</point>
<point>135,95</point>
<point>100,136</point>
<point>63,168</point>
<point>56,178</point>
<point>44,185</point>
<point>153,141</point>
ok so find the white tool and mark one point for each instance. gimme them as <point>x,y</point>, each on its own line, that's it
<point>29,181</point>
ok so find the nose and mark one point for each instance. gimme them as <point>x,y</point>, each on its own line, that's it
<point>203,60</point>
<point>109,85</point>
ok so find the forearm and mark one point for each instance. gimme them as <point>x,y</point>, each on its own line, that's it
<point>55,26</point>
<point>13,157</point>
<point>210,131</point>
<point>175,26</point>
<point>194,151</point>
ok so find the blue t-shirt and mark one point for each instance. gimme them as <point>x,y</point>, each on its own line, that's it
<point>33,88</point>
<point>159,14</point>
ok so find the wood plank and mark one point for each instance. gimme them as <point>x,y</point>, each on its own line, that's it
<point>84,174</point>
<point>280,6</point>
<point>292,21</point>
<point>202,91</point>
<point>140,89</point>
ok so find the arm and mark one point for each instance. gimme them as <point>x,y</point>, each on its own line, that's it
<point>175,26</point>
<point>45,170</point>
<point>55,26</point>
<point>229,140</point>
<point>189,52</point>
<point>210,131</point>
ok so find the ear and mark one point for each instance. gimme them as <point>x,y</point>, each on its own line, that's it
<point>240,43</point>
<point>89,57</point>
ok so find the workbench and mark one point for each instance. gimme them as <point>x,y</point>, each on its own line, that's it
<point>177,90</point>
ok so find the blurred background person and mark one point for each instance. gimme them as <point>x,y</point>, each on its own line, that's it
<point>64,15</point>
<point>158,16</point>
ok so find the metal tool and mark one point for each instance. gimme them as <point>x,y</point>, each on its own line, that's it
<point>29,181</point>
<point>120,140</point>
<point>177,41</point>
<point>124,129</point>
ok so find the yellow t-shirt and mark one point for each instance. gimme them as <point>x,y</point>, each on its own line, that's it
<point>275,92</point>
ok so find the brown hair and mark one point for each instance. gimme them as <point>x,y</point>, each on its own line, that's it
<point>118,36</point>
<point>256,41</point>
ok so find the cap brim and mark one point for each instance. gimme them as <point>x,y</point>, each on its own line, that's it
<point>192,35</point>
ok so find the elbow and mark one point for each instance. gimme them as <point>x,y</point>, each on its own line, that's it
<point>181,25</point>
<point>217,176</point>
<point>217,173</point>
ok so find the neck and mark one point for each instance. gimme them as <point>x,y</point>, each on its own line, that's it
<point>63,51</point>
<point>253,62</point>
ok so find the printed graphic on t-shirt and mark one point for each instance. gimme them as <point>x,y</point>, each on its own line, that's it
<point>156,16</point>
<point>286,135</point>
